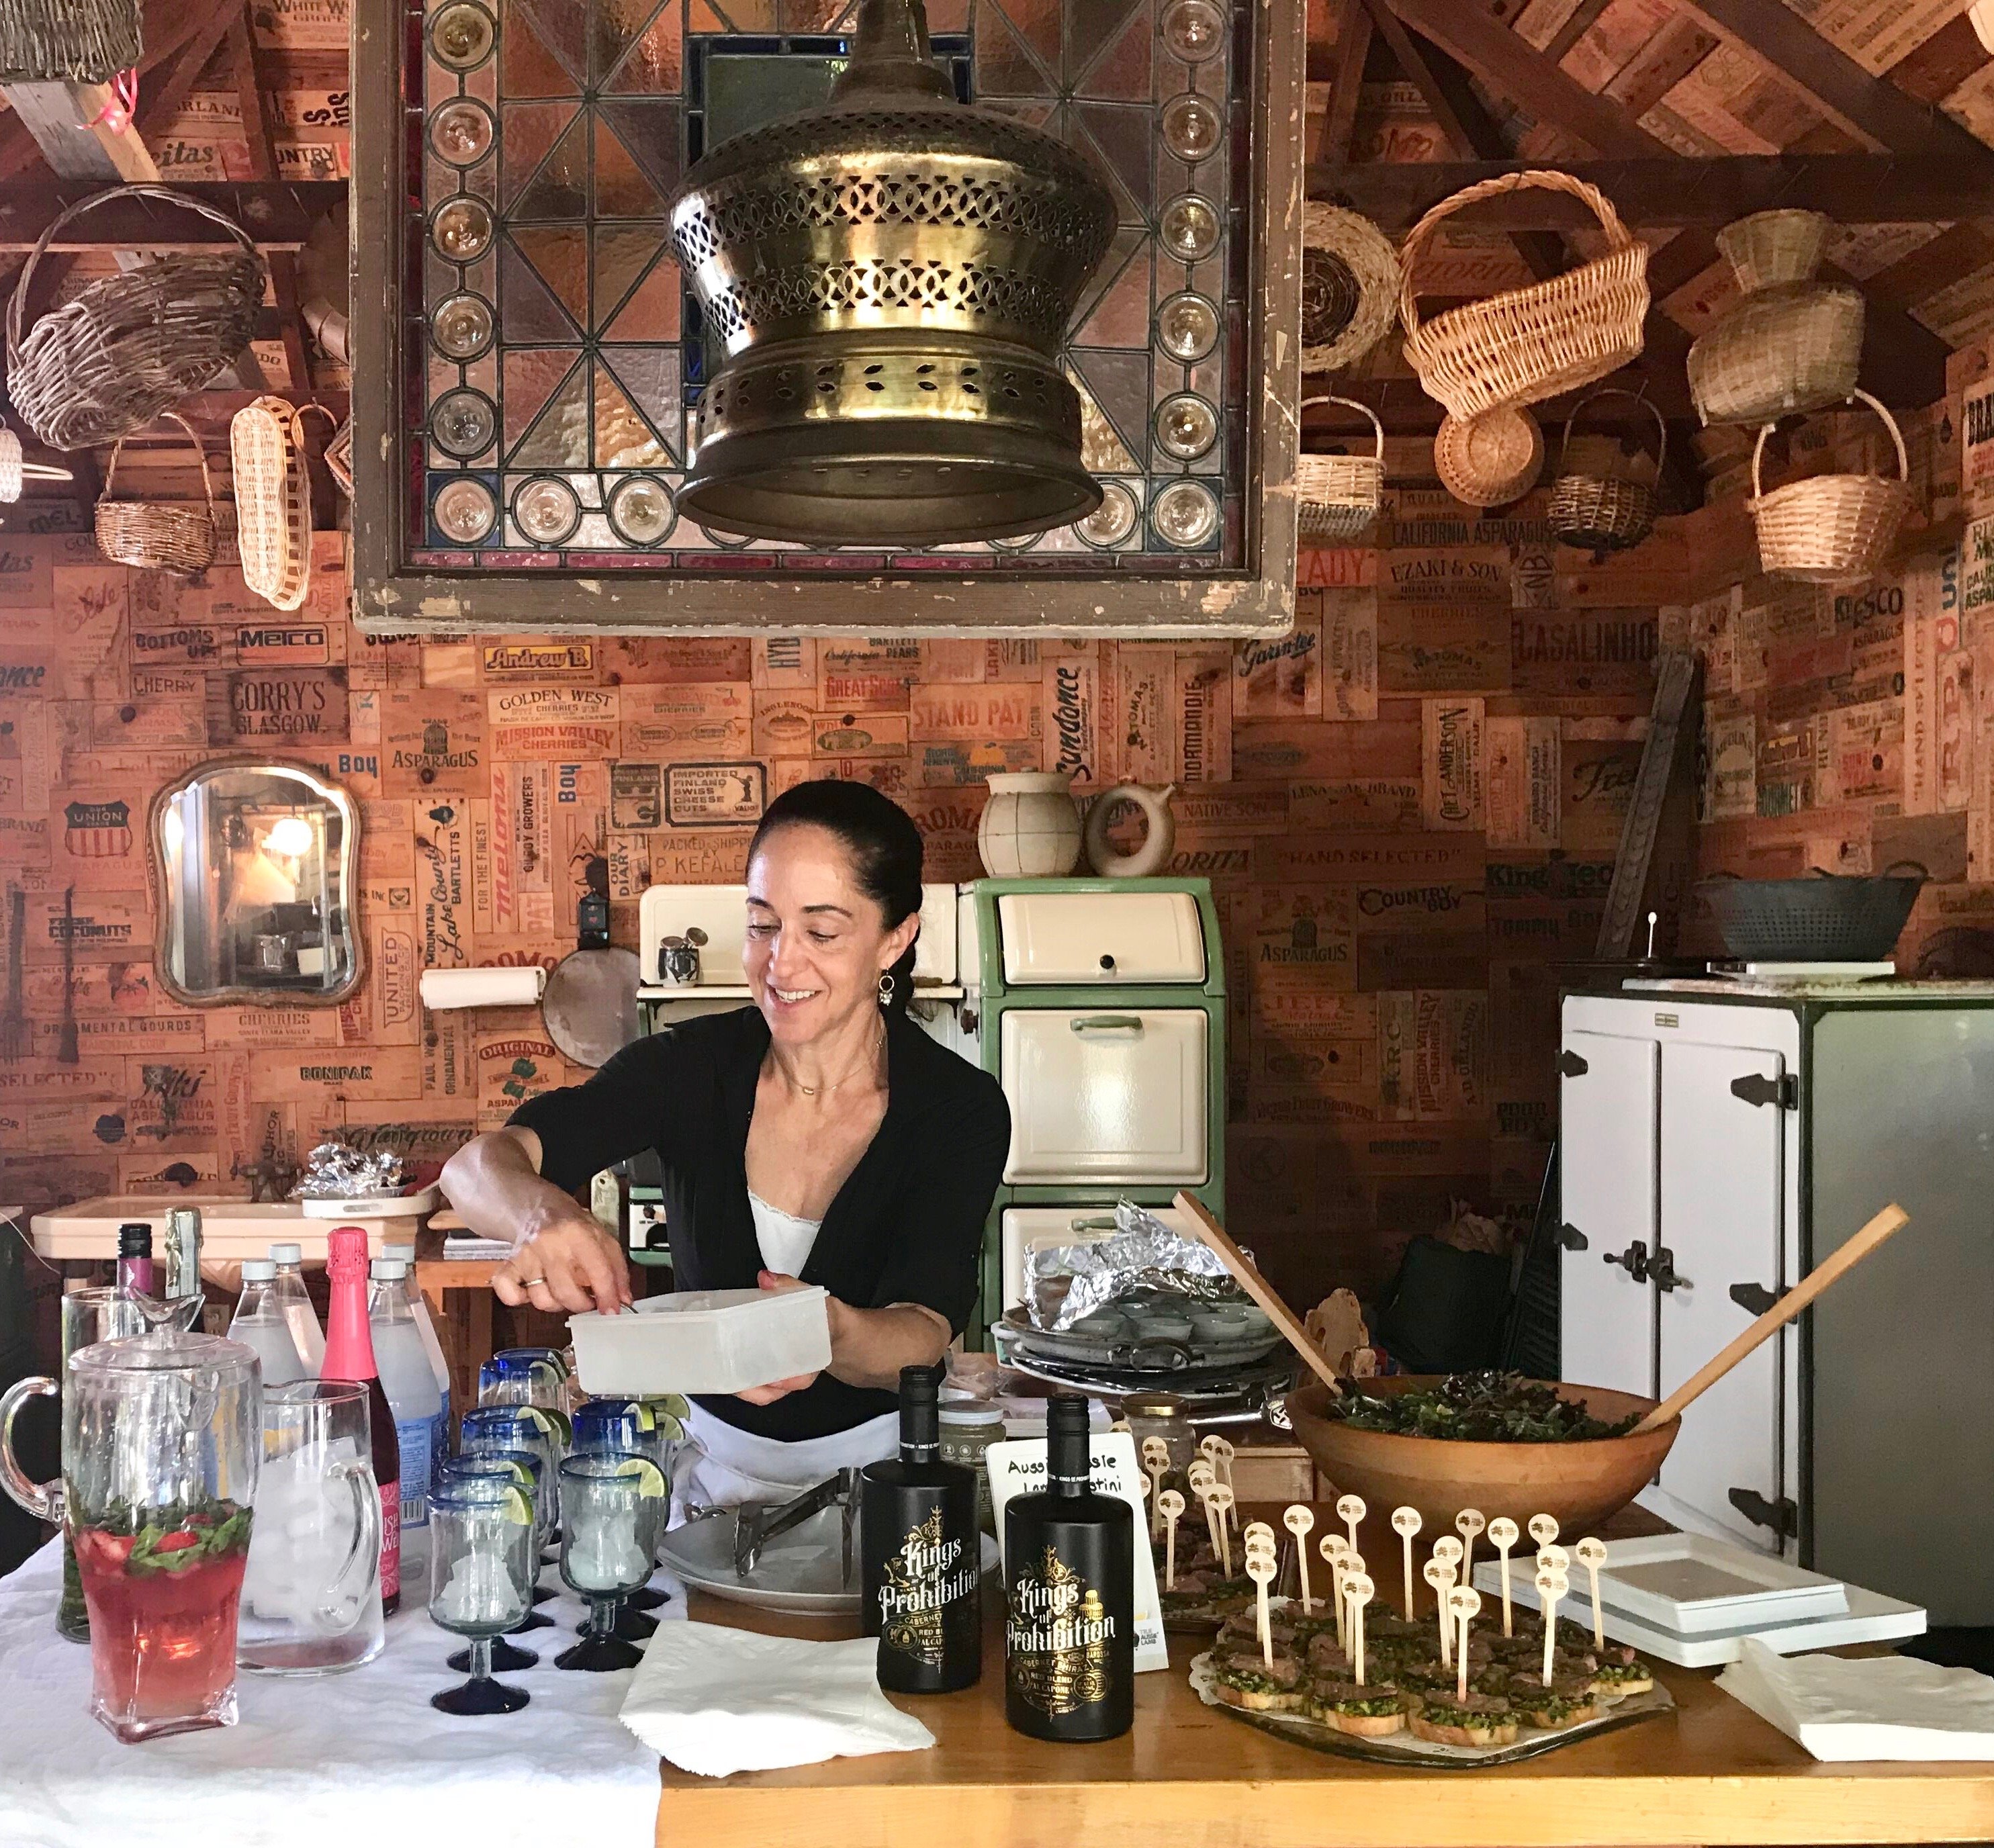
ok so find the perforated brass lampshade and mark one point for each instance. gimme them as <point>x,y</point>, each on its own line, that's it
<point>892,275</point>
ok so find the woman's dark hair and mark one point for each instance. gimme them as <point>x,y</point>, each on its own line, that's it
<point>882,840</point>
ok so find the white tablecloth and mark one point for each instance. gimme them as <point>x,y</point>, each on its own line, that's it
<point>345,1760</point>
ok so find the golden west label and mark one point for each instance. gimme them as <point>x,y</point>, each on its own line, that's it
<point>1055,1636</point>
<point>925,1577</point>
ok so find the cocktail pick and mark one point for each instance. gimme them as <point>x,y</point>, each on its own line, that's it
<point>1120,1424</point>
<point>1440,1574</point>
<point>1200,1471</point>
<point>1222,1455</point>
<point>1450,1549</point>
<point>1156,1467</point>
<point>1170,1504</point>
<point>1357,1592</point>
<point>1350,1512</point>
<point>1463,1605</point>
<point>1405,1524</point>
<point>1503,1535</point>
<point>1219,1499</point>
<point>1467,1523</point>
<point>1331,1547</point>
<point>1591,1554</point>
<point>1260,1569</point>
<point>1299,1519</point>
<point>1208,1449</point>
<point>1551,1586</point>
<point>1202,1486</point>
<point>1553,1559</point>
<point>1146,1489</point>
<point>1543,1528</point>
<point>1154,1446</point>
<point>1258,1537</point>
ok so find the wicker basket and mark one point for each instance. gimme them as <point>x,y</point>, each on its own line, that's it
<point>1490,460</point>
<point>1344,253</point>
<point>133,344</point>
<point>1529,344</point>
<point>1603,513</point>
<point>339,457</point>
<point>68,41</point>
<point>1793,348</point>
<point>1830,529</point>
<point>1339,495</point>
<point>273,500</point>
<point>158,535</point>
<point>1771,247</point>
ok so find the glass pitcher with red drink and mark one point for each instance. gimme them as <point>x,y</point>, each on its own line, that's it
<point>161,1441</point>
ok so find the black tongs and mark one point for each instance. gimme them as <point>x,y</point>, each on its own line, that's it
<point>755,1525</point>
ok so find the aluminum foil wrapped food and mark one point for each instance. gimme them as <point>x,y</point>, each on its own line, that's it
<point>336,1171</point>
<point>1063,1283</point>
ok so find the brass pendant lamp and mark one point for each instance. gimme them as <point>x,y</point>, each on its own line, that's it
<point>892,275</point>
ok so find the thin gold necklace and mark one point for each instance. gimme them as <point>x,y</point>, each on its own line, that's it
<point>814,1090</point>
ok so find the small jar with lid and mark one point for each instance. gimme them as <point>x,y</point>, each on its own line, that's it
<point>1163,1414</point>
<point>969,1427</point>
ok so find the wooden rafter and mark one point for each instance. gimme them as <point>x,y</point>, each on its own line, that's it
<point>1353,46</point>
<point>1585,16</point>
<point>256,111</point>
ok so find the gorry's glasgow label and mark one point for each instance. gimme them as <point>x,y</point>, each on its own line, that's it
<point>1056,1638</point>
<point>925,1580</point>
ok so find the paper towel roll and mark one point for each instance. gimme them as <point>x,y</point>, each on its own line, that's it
<point>483,987</point>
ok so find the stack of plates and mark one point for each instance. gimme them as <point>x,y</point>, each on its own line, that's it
<point>1693,1601</point>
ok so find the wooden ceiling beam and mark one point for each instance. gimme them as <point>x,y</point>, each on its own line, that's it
<point>1352,46</point>
<point>1931,72</point>
<point>1673,191</point>
<point>1585,16</point>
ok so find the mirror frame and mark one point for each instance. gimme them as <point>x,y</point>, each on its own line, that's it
<point>238,993</point>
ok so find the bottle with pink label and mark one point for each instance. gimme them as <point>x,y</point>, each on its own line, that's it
<point>349,1355</point>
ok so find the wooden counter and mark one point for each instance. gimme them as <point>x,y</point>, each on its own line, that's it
<point>1187,1776</point>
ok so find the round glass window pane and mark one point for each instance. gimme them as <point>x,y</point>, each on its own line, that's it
<point>1112,521</point>
<point>463,32</point>
<point>460,133</point>
<point>547,511</point>
<point>1186,426</point>
<point>641,512</point>
<point>1186,327</point>
<point>1189,227</point>
<point>465,512</point>
<point>461,326</point>
<point>461,229</point>
<point>1185,514</point>
<point>464,423</point>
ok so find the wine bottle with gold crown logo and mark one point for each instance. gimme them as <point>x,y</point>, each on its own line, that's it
<point>920,1548</point>
<point>1069,1572</point>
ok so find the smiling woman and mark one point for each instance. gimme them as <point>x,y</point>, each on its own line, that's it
<point>819,1136</point>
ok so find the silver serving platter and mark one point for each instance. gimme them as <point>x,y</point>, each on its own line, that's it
<point>1150,1360</point>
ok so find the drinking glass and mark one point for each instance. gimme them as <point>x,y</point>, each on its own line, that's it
<point>526,1472</point>
<point>481,1542</point>
<point>521,1376</point>
<point>311,1594</point>
<point>527,1427</point>
<point>88,1316</point>
<point>491,1467</point>
<point>627,1427</point>
<point>607,1549</point>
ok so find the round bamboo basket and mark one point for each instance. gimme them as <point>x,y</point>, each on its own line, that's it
<point>1771,247</point>
<point>1830,529</point>
<point>1372,265</point>
<point>1796,347</point>
<point>1490,460</point>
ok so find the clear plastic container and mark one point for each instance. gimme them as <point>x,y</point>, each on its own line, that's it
<point>422,1425</point>
<point>259,1324</point>
<point>419,1307</point>
<point>307,1334</point>
<point>703,1341</point>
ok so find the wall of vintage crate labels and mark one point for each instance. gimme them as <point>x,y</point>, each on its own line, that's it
<point>1409,809</point>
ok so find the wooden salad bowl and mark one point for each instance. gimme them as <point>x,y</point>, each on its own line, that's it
<point>1579,1482</point>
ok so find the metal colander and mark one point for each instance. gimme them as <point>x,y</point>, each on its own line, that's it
<point>891,276</point>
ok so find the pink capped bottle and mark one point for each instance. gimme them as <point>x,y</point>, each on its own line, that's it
<point>349,1355</point>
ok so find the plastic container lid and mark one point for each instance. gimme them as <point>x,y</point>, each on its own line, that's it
<point>387,1270</point>
<point>257,1270</point>
<point>286,1254</point>
<point>704,1341</point>
<point>962,1415</point>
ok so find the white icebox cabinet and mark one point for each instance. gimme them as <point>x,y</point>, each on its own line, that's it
<point>1140,936</point>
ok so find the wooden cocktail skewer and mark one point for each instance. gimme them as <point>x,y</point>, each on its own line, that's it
<point>1467,1523</point>
<point>1330,1546</point>
<point>1203,1491</point>
<point>1170,1504</point>
<point>1503,1535</point>
<point>1357,1592</point>
<point>1551,1586</point>
<point>1258,1537</point>
<point>1299,1519</point>
<point>1222,1455</point>
<point>1219,1498</point>
<point>1591,1554</point>
<point>1350,1512</point>
<point>1207,1448</point>
<point>1156,1467</point>
<point>1450,1549</point>
<point>1543,1528</point>
<point>1462,1605</point>
<point>1260,1569</point>
<point>1553,1559</point>
<point>1440,1574</point>
<point>1405,1524</point>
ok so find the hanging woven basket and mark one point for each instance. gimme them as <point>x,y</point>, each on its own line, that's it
<point>1526,344</point>
<point>158,535</point>
<point>274,529</point>
<point>1769,248</point>
<point>1350,287</point>
<point>68,41</point>
<point>1796,347</point>
<point>1602,512</point>
<point>1339,496</point>
<point>1490,460</point>
<point>133,345</point>
<point>1830,529</point>
<point>339,457</point>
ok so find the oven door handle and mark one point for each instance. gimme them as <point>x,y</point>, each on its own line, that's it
<point>1108,1023</point>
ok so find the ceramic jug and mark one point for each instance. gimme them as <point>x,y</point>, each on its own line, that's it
<point>1030,828</point>
<point>1159,838</point>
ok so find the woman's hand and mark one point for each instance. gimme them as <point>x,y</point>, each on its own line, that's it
<point>570,1264</point>
<point>869,1347</point>
<point>779,1389</point>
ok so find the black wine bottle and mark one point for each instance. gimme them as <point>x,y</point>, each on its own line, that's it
<point>1070,1578</point>
<point>918,1541</point>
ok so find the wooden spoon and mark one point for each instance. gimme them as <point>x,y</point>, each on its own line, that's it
<point>1258,1287</point>
<point>1835,1267</point>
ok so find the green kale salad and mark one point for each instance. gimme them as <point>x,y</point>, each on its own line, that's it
<point>1481,1408</point>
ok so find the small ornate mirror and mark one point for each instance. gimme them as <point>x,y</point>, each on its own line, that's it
<point>257,864</point>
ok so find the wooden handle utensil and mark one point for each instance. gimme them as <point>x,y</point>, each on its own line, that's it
<point>1258,1287</point>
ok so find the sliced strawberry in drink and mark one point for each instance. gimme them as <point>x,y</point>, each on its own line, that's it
<point>178,1542</point>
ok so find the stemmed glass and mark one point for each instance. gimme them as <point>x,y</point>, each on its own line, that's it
<point>607,1548</point>
<point>523,1376</point>
<point>481,1535</point>
<point>526,1428</point>
<point>528,1474</point>
<point>491,1467</point>
<point>625,1427</point>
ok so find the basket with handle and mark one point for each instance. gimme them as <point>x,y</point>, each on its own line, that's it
<point>1490,460</point>
<point>1338,496</point>
<point>1526,344</point>
<point>72,41</point>
<point>1600,512</point>
<point>1795,347</point>
<point>158,535</point>
<point>273,499</point>
<point>1770,247</point>
<point>1830,529</point>
<point>133,345</point>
